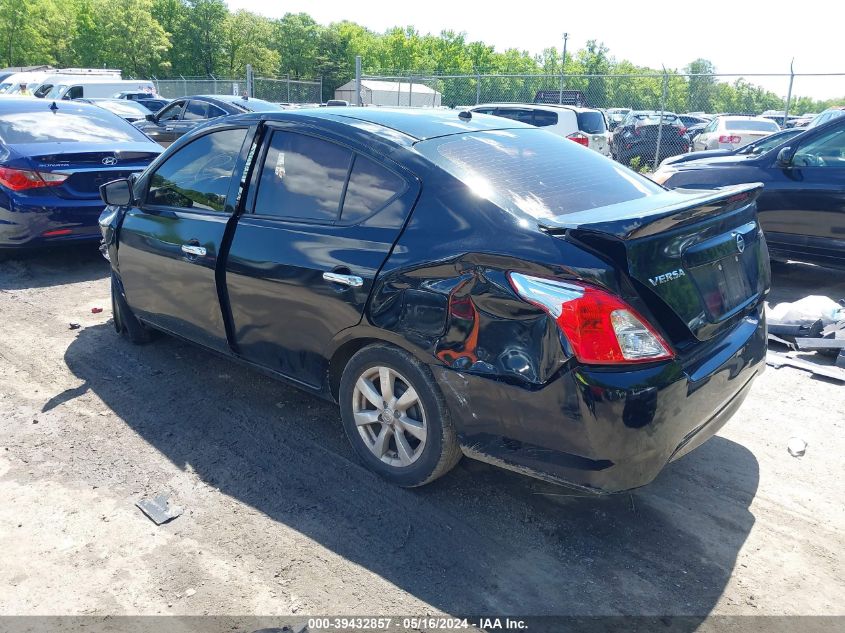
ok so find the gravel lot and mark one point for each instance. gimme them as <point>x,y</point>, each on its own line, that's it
<point>280,518</point>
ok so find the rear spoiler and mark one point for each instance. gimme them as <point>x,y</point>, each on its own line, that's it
<point>653,214</point>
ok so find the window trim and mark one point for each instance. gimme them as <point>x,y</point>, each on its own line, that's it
<point>258,169</point>
<point>148,178</point>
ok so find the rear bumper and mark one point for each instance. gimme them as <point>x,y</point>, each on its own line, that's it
<point>33,221</point>
<point>606,431</point>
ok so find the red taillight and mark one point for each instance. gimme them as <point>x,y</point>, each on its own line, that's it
<point>56,233</point>
<point>22,179</point>
<point>600,327</point>
<point>682,130</point>
<point>579,138</point>
<point>729,139</point>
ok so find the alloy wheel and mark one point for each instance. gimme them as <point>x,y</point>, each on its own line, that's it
<point>389,416</point>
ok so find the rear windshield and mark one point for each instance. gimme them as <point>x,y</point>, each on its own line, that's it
<point>540,174</point>
<point>93,125</point>
<point>591,122</point>
<point>751,125</point>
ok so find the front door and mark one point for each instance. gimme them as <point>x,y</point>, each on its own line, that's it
<point>320,221</point>
<point>171,240</point>
<point>162,129</point>
<point>803,211</point>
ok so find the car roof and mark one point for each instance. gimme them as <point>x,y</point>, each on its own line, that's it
<point>417,123</point>
<point>536,106</point>
<point>28,104</point>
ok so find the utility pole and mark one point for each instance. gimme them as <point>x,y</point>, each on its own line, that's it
<point>563,66</point>
<point>789,94</point>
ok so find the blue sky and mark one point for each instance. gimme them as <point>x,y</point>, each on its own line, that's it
<point>738,37</point>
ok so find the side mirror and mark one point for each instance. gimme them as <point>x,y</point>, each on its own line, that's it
<point>151,118</point>
<point>117,193</point>
<point>784,158</point>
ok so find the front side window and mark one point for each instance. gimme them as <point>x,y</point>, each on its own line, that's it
<point>302,178</point>
<point>198,176</point>
<point>827,150</point>
<point>171,112</point>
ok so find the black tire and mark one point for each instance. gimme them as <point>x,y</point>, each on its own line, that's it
<point>125,322</point>
<point>440,452</point>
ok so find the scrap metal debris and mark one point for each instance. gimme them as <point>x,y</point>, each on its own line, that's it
<point>813,324</point>
<point>158,509</point>
<point>74,326</point>
<point>96,310</point>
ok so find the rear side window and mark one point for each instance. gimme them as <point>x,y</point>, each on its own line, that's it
<point>302,178</point>
<point>542,175</point>
<point>370,188</point>
<point>197,176</point>
<point>591,122</point>
<point>516,114</point>
<point>195,111</point>
<point>543,118</point>
<point>67,124</point>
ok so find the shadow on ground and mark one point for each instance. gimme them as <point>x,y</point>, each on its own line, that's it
<point>55,266</point>
<point>480,540</point>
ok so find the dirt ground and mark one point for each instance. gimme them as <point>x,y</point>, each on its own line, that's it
<point>280,517</point>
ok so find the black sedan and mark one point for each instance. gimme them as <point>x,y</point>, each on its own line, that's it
<point>638,135</point>
<point>181,116</point>
<point>757,147</point>
<point>458,283</point>
<point>802,207</point>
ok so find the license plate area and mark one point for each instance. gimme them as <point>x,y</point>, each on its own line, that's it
<point>726,284</point>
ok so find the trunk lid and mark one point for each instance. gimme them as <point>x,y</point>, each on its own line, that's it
<point>701,254</point>
<point>88,165</point>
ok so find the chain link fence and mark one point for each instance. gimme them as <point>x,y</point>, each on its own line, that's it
<point>772,95</point>
<point>277,90</point>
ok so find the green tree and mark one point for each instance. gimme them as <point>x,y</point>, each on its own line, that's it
<point>248,39</point>
<point>134,41</point>
<point>702,83</point>
<point>296,39</point>
<point>200,37</point>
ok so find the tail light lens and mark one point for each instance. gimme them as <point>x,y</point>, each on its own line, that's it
<point>729,139</point>
<point>22,179</point>
<point>579,138</point>
<point>682,130</point>
<point>601,327</point>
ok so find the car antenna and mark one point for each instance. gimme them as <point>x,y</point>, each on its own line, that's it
<point>465,114</point>
<point>53,106</point>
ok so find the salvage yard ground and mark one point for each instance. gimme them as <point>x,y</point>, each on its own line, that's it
<point>280,518</point>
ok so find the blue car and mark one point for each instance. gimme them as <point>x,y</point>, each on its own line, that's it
<point>53,158</point>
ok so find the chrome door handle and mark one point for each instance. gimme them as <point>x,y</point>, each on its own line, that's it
<point>169,128</point>
<point>347,280</point>
<point>190,249</point>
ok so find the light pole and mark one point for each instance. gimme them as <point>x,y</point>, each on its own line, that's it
<point>563,66</point>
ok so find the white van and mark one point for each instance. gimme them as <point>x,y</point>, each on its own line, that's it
<point>12,83</point>
<point>78,87</point>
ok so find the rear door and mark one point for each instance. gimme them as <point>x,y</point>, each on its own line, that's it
<point>171,240</point>
<point>320,220</point>
<point>802,208</point>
